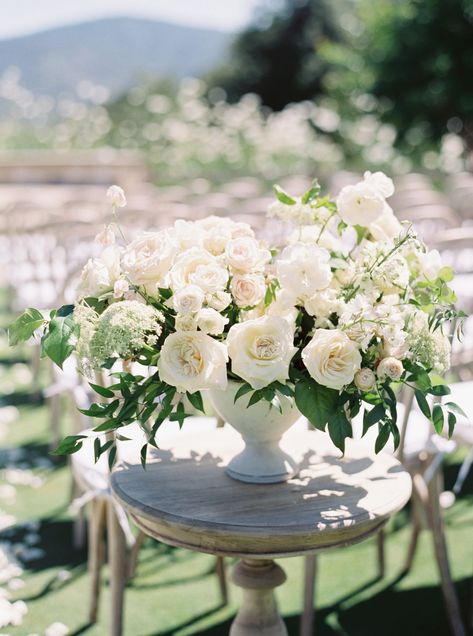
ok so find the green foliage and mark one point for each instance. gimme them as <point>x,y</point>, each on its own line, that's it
<point>24,326</point>
<point>56,342</point>
<point>317,403</point>
<point>276,57</point>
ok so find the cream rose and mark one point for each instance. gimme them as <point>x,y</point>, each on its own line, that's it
<point>365,379</point>
<point>188,300</point>
<point>100,274</point>
<point>248,290</point>
<point>360,204</point>
<point>211,321</point>
<point>193,361</point>
<point>147,259</point>
<point>331,358</point>
<point>198,267</point>
<point>386,227</point>
<point>391,368</point>
<point>186,323</point>
<point>261,350</point>
<point>303,269</point>
<point>218,300</point>
<point>244,254</point>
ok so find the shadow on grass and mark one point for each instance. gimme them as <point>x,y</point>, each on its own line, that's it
<point>28,455</point>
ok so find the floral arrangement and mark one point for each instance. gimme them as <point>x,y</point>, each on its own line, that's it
<point>351,307</point>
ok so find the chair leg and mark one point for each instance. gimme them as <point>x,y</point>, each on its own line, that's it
<point>308,612</point>
<point>96,553</point>
<point>412,546</point>
<point>381,550</point>
<point>441,554</point>
<point>117,560</point>
<point>133,555</point>
<point>222,579</point>
<point>79,523</point>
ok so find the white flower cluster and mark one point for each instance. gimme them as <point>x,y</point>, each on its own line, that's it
<point>223,297</point>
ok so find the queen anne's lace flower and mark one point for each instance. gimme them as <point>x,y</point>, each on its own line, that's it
<point>122,330</point>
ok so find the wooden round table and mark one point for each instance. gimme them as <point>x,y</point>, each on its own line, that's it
<point>185,499</point>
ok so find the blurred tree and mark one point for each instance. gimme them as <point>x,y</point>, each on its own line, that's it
<point>420,58</point>
<point>276,58</point>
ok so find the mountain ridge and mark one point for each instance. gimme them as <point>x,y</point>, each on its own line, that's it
<point>112,52</point>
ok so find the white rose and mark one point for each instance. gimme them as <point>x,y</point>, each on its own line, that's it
<point>303,269</point>
<point>106,237</point>
<point>365,379</point>
<point>211,321</point>
<point>248,290</point>
<point>261,350</point>
<point>390,367</point>
<point>188,299</point>
<point>116,196</point>
<point>186,323</point>
<point>218,300</point>
<point>120,288</point>
<point>244,254</point>
<point>380,182</point>
<point>147,259</point>
<point>193,361</point>
<point>211,277</point>
<point>430,264</point>
<point>360,204</point>
<point>198,267</point>
<point>99,274</point>
<point>186,234</point>
<point>331,358</point>
<point>284,307</point>
<point>324,303</point>
<point>386,227</point>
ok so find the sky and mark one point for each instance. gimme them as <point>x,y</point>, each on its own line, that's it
<point>19,17</point>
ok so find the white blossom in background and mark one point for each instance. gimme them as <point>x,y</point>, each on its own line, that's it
<point>116,196</point>
<point>57,629</point>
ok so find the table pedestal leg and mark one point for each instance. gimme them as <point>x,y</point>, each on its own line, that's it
<point>258,615</point>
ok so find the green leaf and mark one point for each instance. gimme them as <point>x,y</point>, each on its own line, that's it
<point>317,403</point>
<point>196,400</point>
<point>438,418</point>
<point>372,417</point>
<point>143,454</point>
<point>422,380</point>
<point>452,420</point>
<point>112,456</point>
<point>283,196</point>
<point>422,402</point>
<point>255,398</point>
<point>455,408</point>
<point>382,438</point>
<point>56,342</point>
<point>312,193</point>
<point>96,449</point>
<point>440,389</point>
<point>69,445</point>
<point>64,311</point>
<point>339,428</point>
<point>102,390</point>
<point>284,389</point>
<point>446,274</point>
<point>108,425</point>
<point>24,326</point>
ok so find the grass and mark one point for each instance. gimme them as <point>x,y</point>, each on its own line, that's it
<point>176,592</point>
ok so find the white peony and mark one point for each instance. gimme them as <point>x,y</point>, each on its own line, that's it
<point>193,361</point>
<point>99,274</point>
<point>324,303</point>
<point>147,259</point>
<point>303,269</point>
<point>331,358</point>
<point>261,350</point>
<point>244,254</point>
<point>211,321</point>
<point>430,264</point>
<point>360,204</point>
<point>188,299</point>
<point>248,290</point>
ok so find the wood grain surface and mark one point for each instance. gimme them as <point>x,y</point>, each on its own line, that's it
<point>185,498</point>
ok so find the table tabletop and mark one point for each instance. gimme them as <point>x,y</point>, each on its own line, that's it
<point>184,497</point>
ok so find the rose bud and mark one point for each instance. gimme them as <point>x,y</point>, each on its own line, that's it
<point>391,368</point>
<point>365,379</point>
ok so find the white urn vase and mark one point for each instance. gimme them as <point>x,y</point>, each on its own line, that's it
<point>262,461</point>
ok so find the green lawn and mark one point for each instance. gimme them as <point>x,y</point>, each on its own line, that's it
<point>176,592</point>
